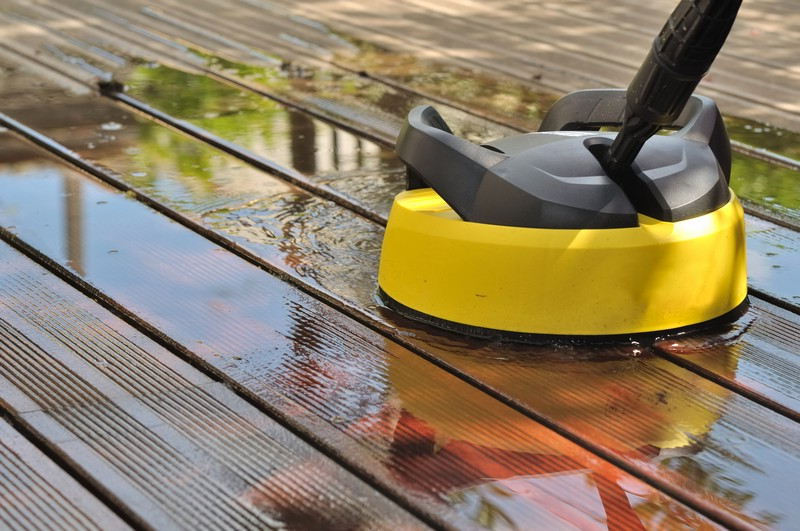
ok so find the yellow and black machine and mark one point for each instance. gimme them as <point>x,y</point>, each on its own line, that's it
<point>570,232</point>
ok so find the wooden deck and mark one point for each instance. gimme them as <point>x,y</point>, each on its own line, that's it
<point>189,330</point>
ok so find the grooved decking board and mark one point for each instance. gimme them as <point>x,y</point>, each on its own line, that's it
<point>765,343</point>
<point>563,58</point>
<point>641,401</point>
<point>383,409</point>
<point>36,494</point>
<point>175,448</point>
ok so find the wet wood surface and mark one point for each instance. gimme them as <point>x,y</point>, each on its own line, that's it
<point>230,205</point>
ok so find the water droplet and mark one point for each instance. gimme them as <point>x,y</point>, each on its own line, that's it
<point>111,126</point>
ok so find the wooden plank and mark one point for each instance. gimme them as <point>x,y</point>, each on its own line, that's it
<point>35,493</point>
<point>562,71</point>
<point>606,43</point>
<point>191,25</point>
<point>382,409</point>
<point>768,361</point>
<point>329,262</point>
<point>175,448</point>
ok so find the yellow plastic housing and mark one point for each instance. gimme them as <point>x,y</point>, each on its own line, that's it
<point>595,282</point>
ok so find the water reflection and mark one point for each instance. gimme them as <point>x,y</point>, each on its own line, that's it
<point>440,437</point>
<point>265,127</point>
<point>770,186</point>
<point>73,213</point>
<point>651,411</point>
<point>510,475</point>
<point>642,408</point>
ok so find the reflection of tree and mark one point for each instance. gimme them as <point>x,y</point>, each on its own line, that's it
<point>514,102</point>
<point>768,185</point>
<point>774,139</point>
<point>302,136</point>
<point>73,199</point>
<point>244,117</point>
<point>208,103</point>
<point>283,135</point>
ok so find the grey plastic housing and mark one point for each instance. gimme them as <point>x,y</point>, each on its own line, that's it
<point>555,178</point>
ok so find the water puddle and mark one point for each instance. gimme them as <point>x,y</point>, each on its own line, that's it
<point>768,186</point>
<point>481,459</point>
<point>764,136</point>
<point>284,135</point>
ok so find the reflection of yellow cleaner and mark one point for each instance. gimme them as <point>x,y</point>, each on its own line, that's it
<point>573,232</point>
<point>487,457</point>
<point>653,417</point>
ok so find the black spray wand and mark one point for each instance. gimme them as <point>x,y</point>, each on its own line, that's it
<point>681,55</point>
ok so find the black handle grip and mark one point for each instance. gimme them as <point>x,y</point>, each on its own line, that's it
<point>680,56</point>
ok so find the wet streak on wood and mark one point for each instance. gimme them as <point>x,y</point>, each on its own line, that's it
<point>211,25</point>
<point>767,237</point>
<point>426,345</point>
<point>375,402</point>
<point>173,447</point>
<point>35,493</point>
